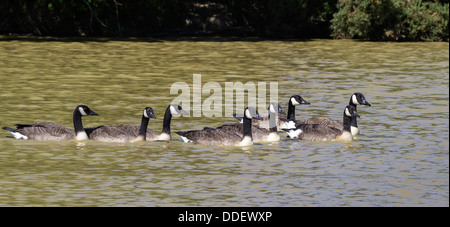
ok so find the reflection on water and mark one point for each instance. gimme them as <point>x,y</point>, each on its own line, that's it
<point>400,158</point>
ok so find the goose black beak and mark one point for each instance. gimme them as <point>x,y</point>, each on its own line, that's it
<point>304,102</point>
<point>281,111</point>
<point>366,103</point>
<point>257,116</point>
<point>182,112</point>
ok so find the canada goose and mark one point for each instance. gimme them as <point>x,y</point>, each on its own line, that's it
<point>318,132</point>
<point>260,134</point>
<point>53,131</point>
<point>282,121</point>
<point>220,136</point>
<point>172,109</point>
<point>122,133</point>
<point>355,99</point>
<point>294,101</point>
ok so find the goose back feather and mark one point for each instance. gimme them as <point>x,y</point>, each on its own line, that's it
<point>122,133</point>
<point>224,135</point>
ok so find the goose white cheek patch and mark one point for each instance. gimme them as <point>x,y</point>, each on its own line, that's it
<point>173,111</point>
<point>272,109</point>
<point>347,112</point>
<point>247,114</point>
<point>82,111</point>
<point>355,100</point>
<point>294,102</point>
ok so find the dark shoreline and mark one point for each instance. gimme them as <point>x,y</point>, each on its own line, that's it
<point>386,20</point>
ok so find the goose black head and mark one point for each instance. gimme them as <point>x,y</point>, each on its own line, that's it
<point>148,112</point>
<point>251,112</point>
<point>297,100</point>
<point>359,99</point>
<point>275,107</point>
<point>176,109</point>
<point>84,110</point>
<point>350,111</point>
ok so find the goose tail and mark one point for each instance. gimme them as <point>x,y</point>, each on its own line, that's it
<point>183,136</point>
<point>16,134</point>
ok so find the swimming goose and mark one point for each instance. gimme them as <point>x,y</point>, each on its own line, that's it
<point>282,121</point>
<point>53,131</point>
<point>122,133</point>
<point>355,99</point>
<point>172,109</point>
<point>294,101</point>
<point>261,134</point>
<point>219,136</point>
<point>318,132</point>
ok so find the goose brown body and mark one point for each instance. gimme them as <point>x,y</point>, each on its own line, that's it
<point>223,135</point>
<point>356,99</point>
<point>122,133</point>
<point>53,131</point>
<point>318,132</point>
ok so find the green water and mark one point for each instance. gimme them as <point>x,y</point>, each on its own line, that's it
<point>400,158</point>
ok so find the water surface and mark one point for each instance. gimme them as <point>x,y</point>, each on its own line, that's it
<point>400,158</point>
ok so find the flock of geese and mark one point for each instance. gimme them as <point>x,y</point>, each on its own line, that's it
<point>252,127</point>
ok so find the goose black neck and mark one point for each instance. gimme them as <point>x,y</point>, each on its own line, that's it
<point>291,111</point>
<point>347,122</point>
<point>166,121</point>
<point>247,127</point>
<point>354,122</point>
<point>143,128</point>
<point>77,123</point>
<point>273,122</point>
